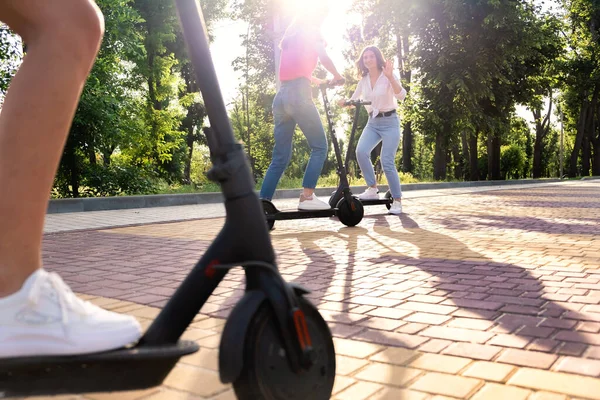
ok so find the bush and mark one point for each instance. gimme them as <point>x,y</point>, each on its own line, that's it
<point>512,161</point>
<point>115,180</point>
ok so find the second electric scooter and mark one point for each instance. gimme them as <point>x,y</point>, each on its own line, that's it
<point>346,207</point>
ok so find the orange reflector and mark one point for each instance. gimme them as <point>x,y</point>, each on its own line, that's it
<point>302,329</point>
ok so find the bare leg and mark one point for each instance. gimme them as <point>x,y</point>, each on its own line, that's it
<point>63,38</point>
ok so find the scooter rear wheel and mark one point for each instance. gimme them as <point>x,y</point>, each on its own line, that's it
<point>269,209</point>
<point>350,213</point>
<point>267,375</point>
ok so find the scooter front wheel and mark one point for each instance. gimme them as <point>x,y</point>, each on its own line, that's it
<point>350,213</point>
<point>266,374</point>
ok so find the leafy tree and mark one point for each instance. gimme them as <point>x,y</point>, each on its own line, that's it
<point>581,79</point>
<point>11,53</point>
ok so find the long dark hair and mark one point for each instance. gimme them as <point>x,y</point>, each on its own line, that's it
<point>360,64</point>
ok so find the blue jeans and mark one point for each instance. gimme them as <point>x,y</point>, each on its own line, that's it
<point>386,129</point>
<point>293,105</point>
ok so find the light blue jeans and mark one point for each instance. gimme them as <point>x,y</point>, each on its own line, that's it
<point>386,129</point>
<point>293,105</point>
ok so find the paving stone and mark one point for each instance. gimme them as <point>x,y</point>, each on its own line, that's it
<point>434,345</point>
<point>576,365</point>
<point>457,334</point>
<point>548,396</point>
<point>470,323</point>
<point>447,385</point>
<point>356,349</point>
<point>396,355</point>
<point>440,363</point>
<point>197,381</point>
<point>489,371</point>
<point>527,358</point>
<point>425,318</point>
<point>359,391</point>
<point>473,350</point>
<point>348,365</point>
<point>398,394</point>
<point>388,374</point>
<point>494,391</point>
<point>569,384</point>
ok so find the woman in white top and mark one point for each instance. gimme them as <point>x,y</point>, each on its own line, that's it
<point>382,88</point>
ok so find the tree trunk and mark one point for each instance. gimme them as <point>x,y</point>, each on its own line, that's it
<point>586,150</point>
<point>473,157</point>
<point>439,158</point>
<point>542,127</point>
<point>588,134</point>
<point>579,136</point>
<point>465,153</point>
<point>403,47</point>
<point>188,124</point>
<point>493,148</point>
<point>458,162</point>
<point>73,168</point>
<point>596,144</point>
<point>407,147</point>
<point>190,138</point>
<point>529,157</point>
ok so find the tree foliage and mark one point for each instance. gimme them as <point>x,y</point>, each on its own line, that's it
<point>468,66</point>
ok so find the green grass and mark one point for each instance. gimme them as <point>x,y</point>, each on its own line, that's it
<point>330,180</point>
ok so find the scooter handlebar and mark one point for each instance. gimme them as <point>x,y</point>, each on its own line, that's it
<point>357,103</point>
<point>333,83</point>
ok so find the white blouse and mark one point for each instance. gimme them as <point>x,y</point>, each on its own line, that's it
<point>382,96</point>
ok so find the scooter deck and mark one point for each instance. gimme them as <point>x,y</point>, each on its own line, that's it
<point>119,370</point>
<point>301,214</point>
<point>375,202</point>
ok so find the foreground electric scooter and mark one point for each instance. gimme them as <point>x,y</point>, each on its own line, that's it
<point>346,207</point>
<point>387,198</point>
<point>275,344</point>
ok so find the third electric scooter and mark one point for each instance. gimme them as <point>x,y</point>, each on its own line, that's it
<point>387,198</point>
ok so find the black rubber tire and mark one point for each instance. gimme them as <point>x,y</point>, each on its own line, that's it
<point>388,196</point>
<point>347,215</point>
<point>269,208</point>
<point>266,374</point>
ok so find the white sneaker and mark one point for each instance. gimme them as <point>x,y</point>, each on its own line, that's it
<point>396,208</point>
<point>46,318</point>
<point>312,203</point>
<point>370,193</point>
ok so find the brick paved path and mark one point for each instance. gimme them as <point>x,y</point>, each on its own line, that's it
<point>486,295</point>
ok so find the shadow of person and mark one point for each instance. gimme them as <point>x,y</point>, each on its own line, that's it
<point>393,263</point>
<point>510,297</point>
<point>575,226</point>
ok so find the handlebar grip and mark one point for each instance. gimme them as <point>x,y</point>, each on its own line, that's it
<point>332,84</point>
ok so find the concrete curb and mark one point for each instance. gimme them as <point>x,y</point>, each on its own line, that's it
<point>56,206</point>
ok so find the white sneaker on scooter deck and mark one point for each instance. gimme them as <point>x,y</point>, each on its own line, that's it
<point>46,318</point>
<point>370,193</point>
<point>312,203</point>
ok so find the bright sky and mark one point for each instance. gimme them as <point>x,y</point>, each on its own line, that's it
<point>227,44</point>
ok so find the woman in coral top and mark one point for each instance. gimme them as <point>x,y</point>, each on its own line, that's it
<point>301,48</point>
